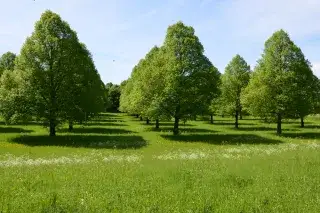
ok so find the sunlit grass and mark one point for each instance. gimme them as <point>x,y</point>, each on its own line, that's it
<point>116,163</point>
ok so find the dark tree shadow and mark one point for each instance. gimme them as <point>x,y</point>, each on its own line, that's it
<point>295,122</point>
<point>107,120</point>
<point>14,130</point>
<point>258,128</point>
<point>103,124</point>
<point>308,127</point>
<point>168,124</point>
<point>97,131</point>
<point>232,139</point>
<point>109,115</point>
<point>251,119</point>
<point>89,141</point>
<point>304,135</point>
<point>232,124</point>
<point>182,130</point>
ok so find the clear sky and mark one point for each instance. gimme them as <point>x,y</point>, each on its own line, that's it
<point>120,32</point>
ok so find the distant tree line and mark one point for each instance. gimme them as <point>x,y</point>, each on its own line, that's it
<point>177,81</point>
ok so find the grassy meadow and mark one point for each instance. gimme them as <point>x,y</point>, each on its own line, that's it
<point>117,163</point>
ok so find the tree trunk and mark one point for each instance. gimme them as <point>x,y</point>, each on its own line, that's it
<point>279,130</point>
<point>141,118</point>
<point>70,126</point>
<point>137,116</point>
<point>301,122</point>
<point>157,123</point>
<point>52,127</point>
<point>211,119</point>
<point>147,121</point>
<point>240,114</point>
<point>176,126</point>
<point>236,124</point>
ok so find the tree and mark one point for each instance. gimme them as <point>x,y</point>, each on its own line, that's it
<point>14,100</point>
<point>49,60</point>
<point>190,78</point>
<point>87,97</point>
<point>7,62</point>
<point>282,74</point>
<point>234,80</point>
<point>113,92</point>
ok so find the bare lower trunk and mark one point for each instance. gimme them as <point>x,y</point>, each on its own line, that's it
<point>137,116</point>
<point>279,120</point>
<point>147,121</point>
<point>157,124</point>
<point>211,119</point>
<point>52,127</point>
<point>141,118</point>
<point>70,126</point>
<point>236,124</point>
<point>301,122</point>
<point>176,126</point>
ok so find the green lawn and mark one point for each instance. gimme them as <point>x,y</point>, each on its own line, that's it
<point>116,163</point>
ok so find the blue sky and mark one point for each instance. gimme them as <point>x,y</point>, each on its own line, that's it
<point>119,33</point>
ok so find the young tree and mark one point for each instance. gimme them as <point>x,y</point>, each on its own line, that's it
<point>233,81</point>
<point>7,62</point>
<point>49,59</point>
<point>282,74</point>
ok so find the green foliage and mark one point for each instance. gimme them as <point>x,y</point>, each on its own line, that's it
<point>234,80</point>
<point>7,62</point>
<point>280,85</point>
<point>113,92</point>
<point>59,81</point>
<point>173,81</point>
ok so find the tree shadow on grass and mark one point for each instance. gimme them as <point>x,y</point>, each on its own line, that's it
<point>258,128</point>
<point>217,139</point>
<point>303,135</point>
<point>97,131</point>
<point>108,115</point>
<point>14,130</point>
<point>87,141</point>
<point>103,124</point>
<point>308,127</point>
<point>232,124</point>
<point>261,128</point>
<point>182,130</point>
<point>107,120</point>
<point>169,124</point>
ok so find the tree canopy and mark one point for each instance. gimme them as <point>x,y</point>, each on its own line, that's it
<point>280,85</point>
<point>233,82</point>
<point>59,80</point>
<point>7,62</point>
<point>175,80</point>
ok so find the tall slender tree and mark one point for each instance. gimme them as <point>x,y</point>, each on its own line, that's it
<point>234,80</point>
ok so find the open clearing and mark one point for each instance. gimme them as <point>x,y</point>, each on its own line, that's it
<point>117,163</point>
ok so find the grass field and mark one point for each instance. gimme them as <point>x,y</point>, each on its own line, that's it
<point>116,163</point>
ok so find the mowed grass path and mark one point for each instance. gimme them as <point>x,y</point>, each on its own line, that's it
<point>116,163</point>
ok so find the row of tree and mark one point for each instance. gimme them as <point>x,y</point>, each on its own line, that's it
<point>177,81</point>
<point>53,79</point>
